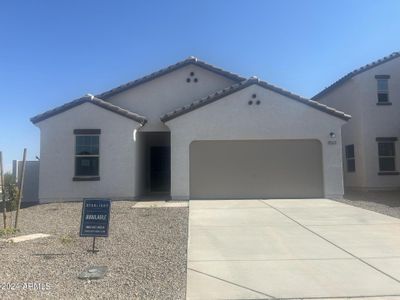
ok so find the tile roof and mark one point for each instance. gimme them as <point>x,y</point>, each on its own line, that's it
<point>354,73</point>
<point>190,60</point>
<point>241,85</point>
<point>94,100</point>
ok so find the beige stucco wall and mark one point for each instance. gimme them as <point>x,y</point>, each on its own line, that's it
<point>278,117</point>
<point>358,97</point>
<point>347,99</point>
<point>380,121</point>
<point>117,155</point>
<point>166,93</point>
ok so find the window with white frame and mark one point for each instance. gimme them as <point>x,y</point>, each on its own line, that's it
<point>387,154</point>
<point>382,89</point>
<point>87,152</point>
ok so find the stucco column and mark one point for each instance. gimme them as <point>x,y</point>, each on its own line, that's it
<point>179,167</point>
<point>332,168</point>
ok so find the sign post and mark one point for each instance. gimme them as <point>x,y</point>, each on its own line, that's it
<point>95,219</point>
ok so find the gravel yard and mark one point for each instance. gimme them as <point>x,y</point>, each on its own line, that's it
<point>384,202</point>
<point>145,254</point>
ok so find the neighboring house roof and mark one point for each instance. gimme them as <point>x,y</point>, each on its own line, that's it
<point>354,73</point>
<point>190,60</point>
<point>239,86</point>
<point>90,99</point>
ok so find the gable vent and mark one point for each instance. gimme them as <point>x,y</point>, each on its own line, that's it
<point>191,78</point>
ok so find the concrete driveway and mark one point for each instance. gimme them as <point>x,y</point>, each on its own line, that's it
<point>291,249</point>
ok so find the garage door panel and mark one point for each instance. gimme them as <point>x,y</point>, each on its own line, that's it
<point>256,169</point>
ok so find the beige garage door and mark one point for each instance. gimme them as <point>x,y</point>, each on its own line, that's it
<point>256,169</point>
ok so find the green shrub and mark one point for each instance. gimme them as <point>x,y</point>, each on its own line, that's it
<point>67,239</point>
<point>11,192</point>
<point>5,232</point>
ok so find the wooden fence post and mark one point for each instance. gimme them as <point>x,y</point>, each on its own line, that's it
<point>21,186</point>
<point>3,194</point>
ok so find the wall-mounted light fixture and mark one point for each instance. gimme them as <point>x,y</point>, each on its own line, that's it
<point>332,135</point>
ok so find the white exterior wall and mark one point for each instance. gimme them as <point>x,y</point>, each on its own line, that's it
<point>117,155</point>
<point>358,97</point>
<point>166,93</point>
<point>231,118</point>
<point>380,121</point>
<point>347,99</point>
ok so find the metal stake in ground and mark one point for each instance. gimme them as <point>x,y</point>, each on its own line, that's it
<point>93,246</point>
<point>3,194</point>
<point>21,186</point>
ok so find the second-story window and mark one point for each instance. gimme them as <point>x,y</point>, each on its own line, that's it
<point>382,88</point>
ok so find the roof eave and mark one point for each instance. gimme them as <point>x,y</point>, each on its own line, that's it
<point>354,73</point>
<point>169,69</point>
<point>239,86</point>
<point>93,100</point>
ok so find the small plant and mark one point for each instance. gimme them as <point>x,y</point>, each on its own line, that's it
<point>11,192</point>
<point>8,231</point>
<point>67,239</point>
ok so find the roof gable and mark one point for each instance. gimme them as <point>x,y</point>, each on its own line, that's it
<point>191,60</point>
<point>239,86</point>
<point>93,100</point>
<point>356,72</point>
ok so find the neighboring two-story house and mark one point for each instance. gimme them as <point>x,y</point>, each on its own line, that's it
<point>191,130</point>
<point>371,150</point>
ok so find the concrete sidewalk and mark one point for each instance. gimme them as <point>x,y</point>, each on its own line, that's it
<point>291,249</point>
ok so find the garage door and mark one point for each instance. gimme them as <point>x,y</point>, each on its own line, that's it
<point>256,169</point>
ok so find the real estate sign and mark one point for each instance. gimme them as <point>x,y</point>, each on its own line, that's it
<point>95,217</point>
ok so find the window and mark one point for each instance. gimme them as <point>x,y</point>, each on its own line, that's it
<point>387,155</point>
<point>350,158</point>
<point>87,155</point>
<point>383,89</point>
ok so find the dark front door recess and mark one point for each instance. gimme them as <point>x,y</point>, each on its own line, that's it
<point>160,169</point>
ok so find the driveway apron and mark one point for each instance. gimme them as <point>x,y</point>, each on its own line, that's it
<point>291,249</point>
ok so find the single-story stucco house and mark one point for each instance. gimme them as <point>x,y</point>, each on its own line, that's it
<point>191,130</point>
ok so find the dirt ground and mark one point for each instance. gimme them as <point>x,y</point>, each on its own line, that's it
<point>384,202</point>
<point>145,255</point>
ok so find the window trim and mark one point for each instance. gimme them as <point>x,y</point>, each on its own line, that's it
<point>382,76</point>
<point>348,158</point>
<point>386,139</point>
<point>86,178</point>
<point>388,173</point>
<point>383,103</point>
<point>391,140</point>
<point>86,132</point>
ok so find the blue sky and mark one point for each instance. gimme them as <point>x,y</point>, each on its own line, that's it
<point>52,52</point>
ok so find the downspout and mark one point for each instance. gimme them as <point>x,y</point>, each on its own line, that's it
<point>136,130</point>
